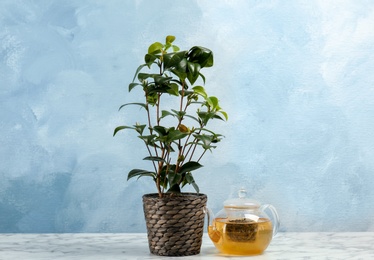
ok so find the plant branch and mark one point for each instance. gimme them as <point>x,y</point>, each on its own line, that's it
<point>201,156</point>
<point>150,129</point>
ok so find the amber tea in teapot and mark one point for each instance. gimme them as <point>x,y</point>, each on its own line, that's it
<point>242,227</point>
<point>241,237</point>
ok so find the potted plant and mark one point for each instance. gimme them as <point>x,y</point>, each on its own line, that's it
<point>176,113</point>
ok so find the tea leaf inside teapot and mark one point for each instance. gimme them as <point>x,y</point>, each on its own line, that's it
<point>242,230</point>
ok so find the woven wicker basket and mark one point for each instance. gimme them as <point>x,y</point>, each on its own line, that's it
<point>175,224</point>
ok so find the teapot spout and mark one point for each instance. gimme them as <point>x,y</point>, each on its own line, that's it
<point>210,216</point>
<point>213,233</point>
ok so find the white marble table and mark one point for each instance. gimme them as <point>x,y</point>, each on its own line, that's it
<point>134,246</point>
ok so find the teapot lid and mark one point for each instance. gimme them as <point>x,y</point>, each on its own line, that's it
<point>242,202</point>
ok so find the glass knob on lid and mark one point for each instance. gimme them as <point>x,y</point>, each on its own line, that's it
<point>242,202</point>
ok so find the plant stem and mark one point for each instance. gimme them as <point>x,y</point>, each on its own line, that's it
<point>194,147</point>
<point>167,168</point>
<point>186,144</point>
<point>158,177</point>
<point>201,156</point>
<point>158,108</point>
<point>150,130</point>
<point>182,97</point>
<point>180,147</point>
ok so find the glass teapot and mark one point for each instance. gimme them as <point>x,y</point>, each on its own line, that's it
<point>242,227</point>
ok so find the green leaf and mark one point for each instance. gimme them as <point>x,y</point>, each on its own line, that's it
<point>165,113</point>
<point>138,104</point>
<point>190,166</point>
<point>166,170</point>
<point>170,39</point>
<point>206,116</point>
<point>193,72</point>
<point>186,92</point>
<point>162,131</point>
<point>179,114</point>
<point>205,140</point>
<point>149,140</point>
<point>175,60</point>
<point>166,47</point>
<point>161,79</point>
<point>174,178</point>
<point>139,69</point>
<point>200,90</point>
<point>190,180</point>
<point>202,76</point>
<point>194,185</point>
<point>140,173</point>
<point>218,117</point>
<point>119,128</point>
<point>149,59</point>
<point>180,74</point>
<point>201,55</point>
<point>139,128</point>
<point>207,130</point>
<point>192,117</point>
<point>174,135</point>
<point>154,158</point>
<point>213,102</point>
<point>174,89</point>
<point>155,48</point>
<point>133,85</point>
<point>181,66</point>
<point>144,76</point>
<point>175,48</point>
<point>226,116</point>
<point>152,98</point>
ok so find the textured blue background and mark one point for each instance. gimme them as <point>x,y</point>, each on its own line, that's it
<point>296,77</point>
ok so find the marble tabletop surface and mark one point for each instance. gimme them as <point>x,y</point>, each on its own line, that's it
<point>134,246</point>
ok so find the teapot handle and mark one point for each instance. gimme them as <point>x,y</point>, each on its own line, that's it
<point>210,215</point>
<point>275,216</point>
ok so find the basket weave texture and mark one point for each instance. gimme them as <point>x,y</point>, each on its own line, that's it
<point>175,224</point>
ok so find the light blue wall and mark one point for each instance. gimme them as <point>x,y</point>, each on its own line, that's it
<point>296,77</point>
